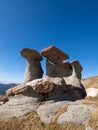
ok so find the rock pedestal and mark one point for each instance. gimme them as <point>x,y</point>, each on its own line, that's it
<point>33,68</point>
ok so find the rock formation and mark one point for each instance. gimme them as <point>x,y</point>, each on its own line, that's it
<point>56,67</point>
<point>62,81</point>
<point>54,63</point>
<point>50,97</point>
<point>33,69</point>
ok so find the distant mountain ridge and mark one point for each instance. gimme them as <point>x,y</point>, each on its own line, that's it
<point>4,87</point>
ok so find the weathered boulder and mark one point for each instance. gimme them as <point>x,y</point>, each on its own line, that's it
<point>42,85</point>
<point>33,69</point>
<point>78,114</point>
<point>19,89</point>
<point>18,106</point>
<point>64,112</point>
<point>25,90</point>
<point>47,111</point>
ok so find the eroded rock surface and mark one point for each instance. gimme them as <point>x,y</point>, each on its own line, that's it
<point>33,68</point>
<point>73,114</point>
<point>17,106</point>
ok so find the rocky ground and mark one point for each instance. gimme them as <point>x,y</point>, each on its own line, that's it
<point>27,113</point>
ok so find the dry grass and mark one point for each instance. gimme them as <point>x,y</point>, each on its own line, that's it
<point>91,100</point>
<point>59,112</point>
<point>94,120</point>
<point>32,122</point>
<point>90,82</point>
<point>93,123</point>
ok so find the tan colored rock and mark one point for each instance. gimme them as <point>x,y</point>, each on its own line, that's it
<point>42,85</point>
<point>20,89</point>
<point>54,54</point>
<point>33,68</point>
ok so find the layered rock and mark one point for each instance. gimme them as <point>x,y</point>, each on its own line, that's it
<point>42,85</point>
<point>19,89</point>
<point>33,68</point>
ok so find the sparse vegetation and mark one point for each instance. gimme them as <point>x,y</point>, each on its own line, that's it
<point>91,100</point>
<point>33,122</point>
<point>94,120</point>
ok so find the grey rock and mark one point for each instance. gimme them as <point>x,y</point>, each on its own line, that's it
<point>33,68</point>
<point>73,79</point>
<point>47,111</point>
<point>78,68</point>
<point>78,114</point>
<point>18,106</point>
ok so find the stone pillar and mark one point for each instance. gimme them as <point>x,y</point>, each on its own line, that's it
<point>33,68</point>
<point>78,68</point>
<point>54,63</point>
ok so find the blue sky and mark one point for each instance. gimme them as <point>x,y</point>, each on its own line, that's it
<point>71,25</point>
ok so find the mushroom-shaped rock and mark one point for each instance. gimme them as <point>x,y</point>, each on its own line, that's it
<point>54,64</point>
<point>78,68</point>
<point>33,69</point>
<point>42,85</point>
<point>54,54</point>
